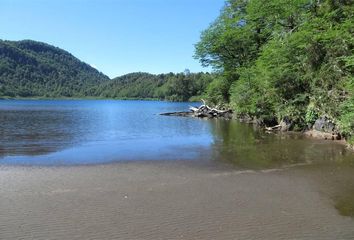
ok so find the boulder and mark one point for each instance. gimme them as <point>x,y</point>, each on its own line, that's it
<point>324,124</point>
<point>258,122</point>
<point>285,124</point>
<point>245,118</point>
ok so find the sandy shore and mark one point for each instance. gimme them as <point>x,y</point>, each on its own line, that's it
<point>164,201</point>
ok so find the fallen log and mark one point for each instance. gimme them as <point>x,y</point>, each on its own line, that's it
<point>193,109</point>
<point>203,111</point>
<point>178,114</point>
<point>274,128</point>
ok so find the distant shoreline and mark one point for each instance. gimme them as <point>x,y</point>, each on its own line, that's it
<point>87,98</point>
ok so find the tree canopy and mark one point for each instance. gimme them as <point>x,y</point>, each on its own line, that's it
<point>280,59</point>
<point>35,69</point>
<point>173,87</point>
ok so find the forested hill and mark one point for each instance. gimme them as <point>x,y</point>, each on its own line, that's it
<point>173,87</point>
<point>35,69</point>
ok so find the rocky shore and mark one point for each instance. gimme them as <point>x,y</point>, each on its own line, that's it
<point>322,128</point>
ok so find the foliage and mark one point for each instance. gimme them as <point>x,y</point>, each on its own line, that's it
<point>291,59</point>
<point>172,87</point>
<point>217,92</point>
<point>311,114</point>
<point>35,69</point>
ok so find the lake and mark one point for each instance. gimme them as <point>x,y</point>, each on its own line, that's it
<point>87,132</point>
<point>111,169</point>
<point>73,132</point>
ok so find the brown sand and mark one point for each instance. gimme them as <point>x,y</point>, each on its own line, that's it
<point>163,201</point>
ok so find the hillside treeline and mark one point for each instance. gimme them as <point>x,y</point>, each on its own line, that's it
<point>39,70</point>
<point>35,69</point>
<point>172,87</point>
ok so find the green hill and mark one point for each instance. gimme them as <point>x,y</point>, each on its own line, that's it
<point>170,86</point>
<point>34,69</point>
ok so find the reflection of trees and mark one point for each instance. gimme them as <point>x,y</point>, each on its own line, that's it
<point>344,201</point>
<point>238,144</point>
<point>36,132</point>
<point>246,147</point>
<point>332,168</point>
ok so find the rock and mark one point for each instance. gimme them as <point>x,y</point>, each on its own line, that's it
<point>338,136</point>
<point>285,124</point>
<point>245,118</point>
<point>328,128</point>
<point>258,122</point>
<point>323,135</point>
<point>228,115</point>
<point>324,124</point>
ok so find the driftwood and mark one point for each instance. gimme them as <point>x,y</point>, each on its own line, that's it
<point>179,114</point>
<point>203,111</point>
<point>274,128</point>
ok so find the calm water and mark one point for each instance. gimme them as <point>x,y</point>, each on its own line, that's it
<point>66,132</point>
<point>84,132</point>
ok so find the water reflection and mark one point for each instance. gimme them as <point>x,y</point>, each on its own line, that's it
<point>345,204</point>
<point>36,132</point>
<point>327,166</point>
<point>86,132</point>
<point>252,148</point>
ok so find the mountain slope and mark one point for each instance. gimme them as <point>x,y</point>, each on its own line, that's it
<point>34,69</point>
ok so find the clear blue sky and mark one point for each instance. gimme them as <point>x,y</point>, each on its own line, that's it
<point>115,36</point>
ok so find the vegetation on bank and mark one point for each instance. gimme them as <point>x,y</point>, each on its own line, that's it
<point>282,59</point>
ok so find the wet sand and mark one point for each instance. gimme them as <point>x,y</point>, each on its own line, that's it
<point>164,200</point>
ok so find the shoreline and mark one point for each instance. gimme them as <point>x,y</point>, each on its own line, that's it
<point>312,133</point>
<point>78,98</point>
<point>91,98</point>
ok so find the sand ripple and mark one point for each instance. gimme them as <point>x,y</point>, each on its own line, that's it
<point>157,201</point>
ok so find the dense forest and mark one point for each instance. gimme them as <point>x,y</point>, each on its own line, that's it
<point>172,87</point>
<point>283,59</point>
<point>34,69</point>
